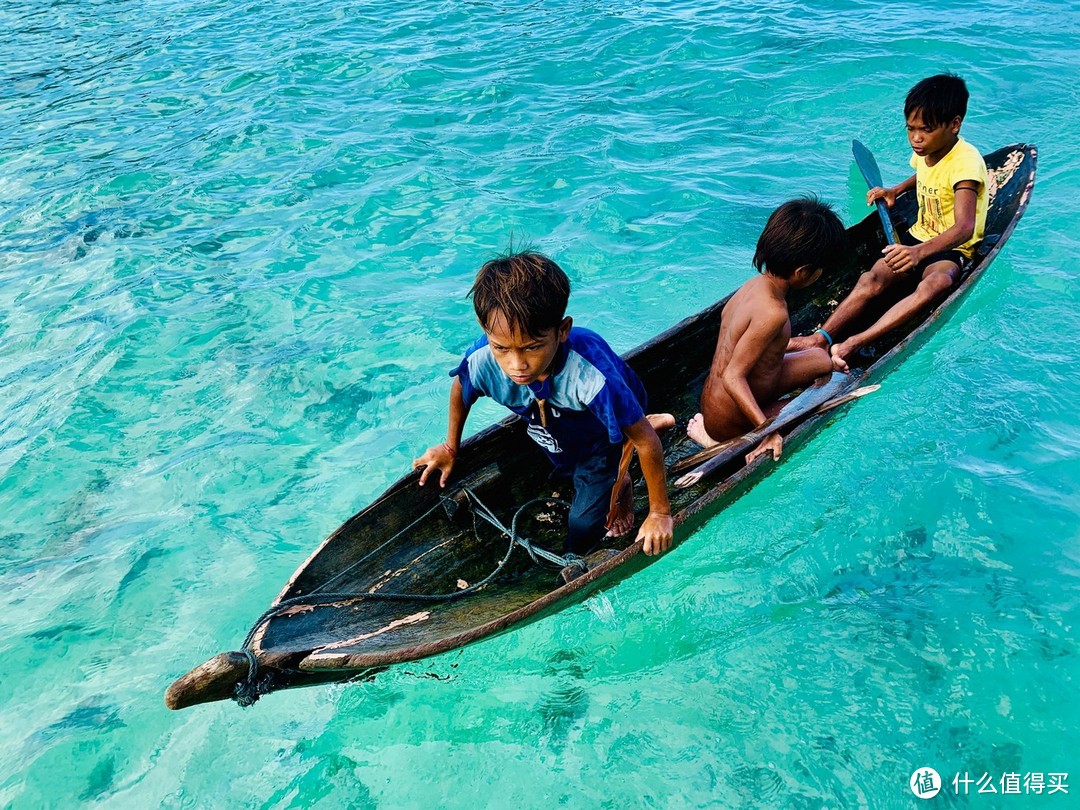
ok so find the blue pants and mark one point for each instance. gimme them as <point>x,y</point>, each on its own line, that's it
<point>593,478</point>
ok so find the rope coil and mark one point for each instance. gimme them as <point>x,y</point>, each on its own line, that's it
<point>248,691</point>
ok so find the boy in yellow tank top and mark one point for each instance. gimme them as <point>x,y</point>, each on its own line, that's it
<point>950,182</point>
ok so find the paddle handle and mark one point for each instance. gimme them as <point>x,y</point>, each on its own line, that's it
<point>744,445</point>
<point>754,437</point>
<point>886,223</point>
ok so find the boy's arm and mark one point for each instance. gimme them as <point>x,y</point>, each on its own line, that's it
<point>656,531</point>
<point>889,194</point>
<point>441,457</point>
<point>762,331</point>
<point>966,196</point>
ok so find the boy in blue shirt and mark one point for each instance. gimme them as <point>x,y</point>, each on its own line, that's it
<point>577,397</point>
<point>950,181</point>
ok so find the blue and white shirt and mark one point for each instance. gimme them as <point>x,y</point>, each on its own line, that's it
<point>590,395</point>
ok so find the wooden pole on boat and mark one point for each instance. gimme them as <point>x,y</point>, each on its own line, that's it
<point>214,680</point>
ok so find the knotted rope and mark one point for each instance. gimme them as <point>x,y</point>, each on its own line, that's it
<point>249,690</point>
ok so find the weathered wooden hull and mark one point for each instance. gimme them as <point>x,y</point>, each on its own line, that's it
<point>326,626</point>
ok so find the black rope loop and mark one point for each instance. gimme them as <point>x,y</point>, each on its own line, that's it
<point>248,691</point>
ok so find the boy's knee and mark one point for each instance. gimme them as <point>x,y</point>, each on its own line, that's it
<point>937,283</point>
<point>877,279</point>
<point>822,361</point>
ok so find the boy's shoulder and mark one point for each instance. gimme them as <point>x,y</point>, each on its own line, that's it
<point>590,366</point>
<point>964,162</point>
<point>966,151</point>
<point>754,300</point>
<point>593,349</point>
<point>588,340</point>
<point>480,343</point>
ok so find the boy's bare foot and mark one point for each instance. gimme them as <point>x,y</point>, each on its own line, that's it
<point>815,340</point>
<point>695,429</point>
<point>623,520</point>
<point>840,353</point>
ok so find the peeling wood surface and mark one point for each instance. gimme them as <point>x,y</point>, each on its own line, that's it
<point>413,619</point>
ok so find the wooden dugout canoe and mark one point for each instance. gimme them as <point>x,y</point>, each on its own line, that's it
<point>356,605</point>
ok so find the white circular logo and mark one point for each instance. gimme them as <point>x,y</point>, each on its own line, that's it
<point>925,783</point>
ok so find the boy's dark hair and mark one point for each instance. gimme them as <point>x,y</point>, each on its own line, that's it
<point>938,99</point>
<point>804,231</point>
<point>529,289</point>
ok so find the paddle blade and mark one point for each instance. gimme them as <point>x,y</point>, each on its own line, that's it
<point>812,400</point>
<point>867,165</point>
<point>846,398</point>
<point>729,450</point>
<point>703,455</point>
<point>689,479</point>
<point>872,175</point>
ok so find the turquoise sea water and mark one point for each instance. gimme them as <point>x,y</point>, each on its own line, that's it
<point>234,247</point>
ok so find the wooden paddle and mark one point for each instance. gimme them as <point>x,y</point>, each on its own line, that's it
<point>814,400</point>
<point>872,175</point>
<point>811,397</point>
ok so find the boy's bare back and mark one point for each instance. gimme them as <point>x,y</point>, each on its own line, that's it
<point>754,332</point>
<point>751,368</point>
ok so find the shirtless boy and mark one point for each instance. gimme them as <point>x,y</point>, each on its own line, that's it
<point>950,182</point>
<point>751,369</point>
<point>577,397</point>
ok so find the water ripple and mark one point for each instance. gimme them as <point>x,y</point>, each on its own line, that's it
<point>234,250</point>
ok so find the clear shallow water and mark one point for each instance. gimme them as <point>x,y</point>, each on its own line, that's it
<point>234,248</point>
